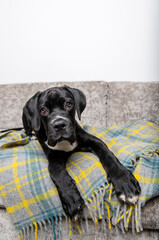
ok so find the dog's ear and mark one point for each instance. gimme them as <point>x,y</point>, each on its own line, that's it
<point>31,118</point>
<point>80,100</point>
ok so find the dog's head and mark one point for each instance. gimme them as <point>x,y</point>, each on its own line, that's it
<point>54,111</point>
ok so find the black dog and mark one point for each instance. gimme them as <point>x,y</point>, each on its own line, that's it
<point>51,115</point>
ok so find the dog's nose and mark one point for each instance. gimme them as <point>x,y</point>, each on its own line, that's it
<point>59,125</point>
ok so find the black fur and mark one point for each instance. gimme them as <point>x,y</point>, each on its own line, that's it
<point>51,115</point>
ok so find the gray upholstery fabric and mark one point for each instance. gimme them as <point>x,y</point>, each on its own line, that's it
<point>108,104</point>
<point>128,101</point>
<point>13,97</point>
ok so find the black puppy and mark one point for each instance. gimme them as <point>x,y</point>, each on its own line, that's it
<point>51,115</point>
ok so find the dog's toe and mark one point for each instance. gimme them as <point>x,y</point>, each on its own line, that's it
<point>122,197</point>
<point>133,200</point>
<point>130,200</point>
<point>77,216</point>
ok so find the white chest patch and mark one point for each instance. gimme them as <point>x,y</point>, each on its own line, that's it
<point>64,145</point>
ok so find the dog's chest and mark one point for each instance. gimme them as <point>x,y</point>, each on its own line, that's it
<point>64,145</point>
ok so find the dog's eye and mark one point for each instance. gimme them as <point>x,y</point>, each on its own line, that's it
<point>68,105</point>
<point>44,111</point>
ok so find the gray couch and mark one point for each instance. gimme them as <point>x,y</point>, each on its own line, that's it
<point>108,104</point>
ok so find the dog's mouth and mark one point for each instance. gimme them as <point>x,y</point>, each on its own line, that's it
<point>62,145</point>
<point>53,142</point>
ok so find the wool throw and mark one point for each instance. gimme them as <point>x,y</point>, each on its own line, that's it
<point>31,198</point>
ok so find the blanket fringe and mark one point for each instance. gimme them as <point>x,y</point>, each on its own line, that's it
<point>99,208</point>
<point>123,215</point>
<point>42,229</point>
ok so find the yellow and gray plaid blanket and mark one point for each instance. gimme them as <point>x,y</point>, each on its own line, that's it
<point>32,201</point>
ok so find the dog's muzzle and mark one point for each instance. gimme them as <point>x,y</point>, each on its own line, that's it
<point>59,124</point>
<point>60,129</point>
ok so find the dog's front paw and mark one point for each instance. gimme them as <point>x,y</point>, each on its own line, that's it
<point>127,187</point>
<point>73,204</point>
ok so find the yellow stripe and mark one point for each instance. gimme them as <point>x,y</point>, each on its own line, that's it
<point>143,135</point>
<point>78,227</point>
<point>143,198</point>
<point>96,162</point>
<point>146,179</point>
<point>33,200</point>
<point>108,211</point>
<point>23,200</point>
<point>155,140</point>
<point>70,225</point>
<point>23,177</point>
<point>123,149</point>
<point>6,204</point>
<point>137,171</point>
<point>14,135</point>
<point>136,215</point>
<point>24,184</point>
<point>18,164</point>
<point>36,230</point>
<point>90,201</point>
<point>114,203</point>
<point>137,131</point>
<point>153,125</point>
<point>85,173</point>
<point>100,135</point>
<point>128,144</point>
<point>90,212</point>
<point>129,215</point>
<point>111,142</point>
<point>94,206</point>
<point>110,193</point>
<point>128,212</point>
<point>20,236</point>
<point>104,132</point>
<point>122,216</point>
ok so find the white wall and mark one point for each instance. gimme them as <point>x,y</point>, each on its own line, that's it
<point>70,40</point>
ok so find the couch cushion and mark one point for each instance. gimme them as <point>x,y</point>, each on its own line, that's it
<point>131,101</point>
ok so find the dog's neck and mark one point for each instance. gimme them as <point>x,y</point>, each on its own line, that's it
<point>64,145</point>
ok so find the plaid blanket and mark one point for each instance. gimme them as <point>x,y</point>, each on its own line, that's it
<point>32,201</point>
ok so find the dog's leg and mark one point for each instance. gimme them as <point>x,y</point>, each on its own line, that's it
<point>71,199</point>
<point>27,126</point>
<point>126,186</point>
